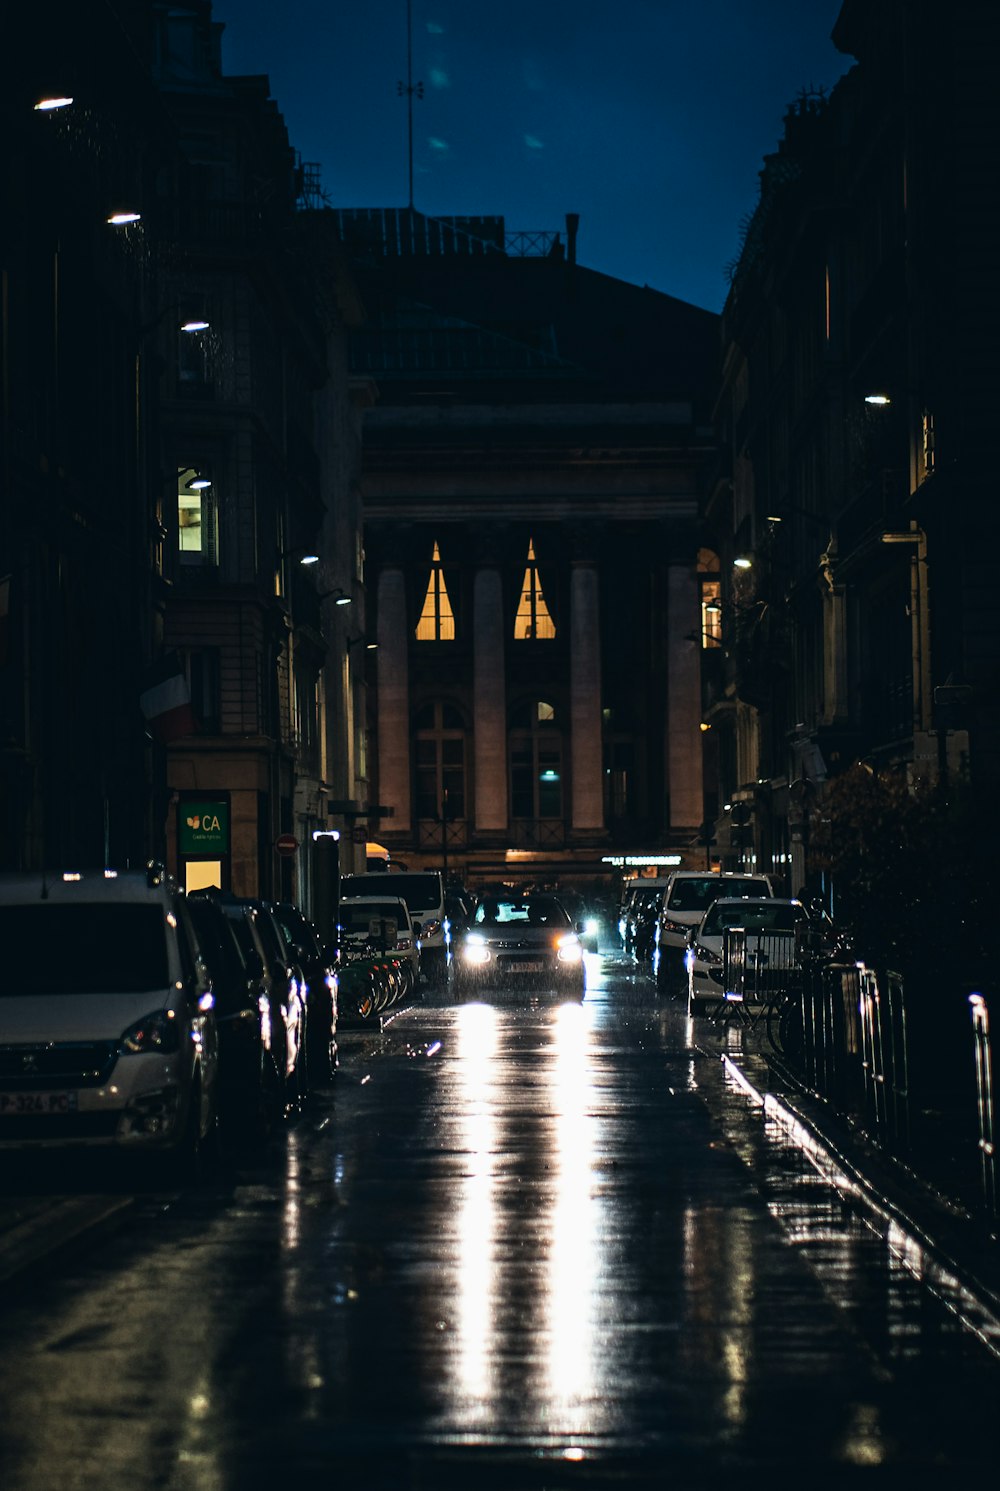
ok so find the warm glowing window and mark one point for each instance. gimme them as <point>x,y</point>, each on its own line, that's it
<point>533,620</point>
<point>711,613</point>
<point>196,508</point>
<point>437,620</point>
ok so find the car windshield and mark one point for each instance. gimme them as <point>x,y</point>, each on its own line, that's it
<point>360,918</point>
<point>700,891</point>
<point>775,917</point>
<point>540,912</point>
<point>86,948</point>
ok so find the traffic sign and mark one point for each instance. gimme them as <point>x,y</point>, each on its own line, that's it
<point>286,844</point>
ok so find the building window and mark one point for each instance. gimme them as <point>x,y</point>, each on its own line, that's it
<point>437,620</point>
<point>533,621</point>
<point>202,665</point>
<point>439,754</point>
<point>710,595</point>
<point>535,762</point>
<point>929,453</point>
<point>197,538</point>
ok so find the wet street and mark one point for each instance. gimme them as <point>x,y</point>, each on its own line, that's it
<point>519,1244</point>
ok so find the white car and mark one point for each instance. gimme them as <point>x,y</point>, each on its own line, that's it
<point>385,923</point>
<point>772,964</point>
<point>686,898</point>
<point>107,1022</point>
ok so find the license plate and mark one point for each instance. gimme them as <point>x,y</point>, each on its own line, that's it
<point>527,967</point>
<point>16,1103</point>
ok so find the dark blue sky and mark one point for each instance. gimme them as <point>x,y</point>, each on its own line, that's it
<point>650,118</point>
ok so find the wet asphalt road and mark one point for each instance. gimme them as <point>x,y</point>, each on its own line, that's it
<point>519,1244</point>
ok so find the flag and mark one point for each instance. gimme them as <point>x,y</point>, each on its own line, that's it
<point>165,700</point>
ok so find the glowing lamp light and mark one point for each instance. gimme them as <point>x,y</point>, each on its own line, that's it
<point>47,105</point>
<point>192,326</point>
<point>742,562</point>
<point>877,398</point>
<point>122,219</point>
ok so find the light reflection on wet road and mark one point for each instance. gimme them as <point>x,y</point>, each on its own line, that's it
<point>521,1244</point>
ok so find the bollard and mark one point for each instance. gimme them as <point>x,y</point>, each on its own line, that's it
<point>984,1101</point>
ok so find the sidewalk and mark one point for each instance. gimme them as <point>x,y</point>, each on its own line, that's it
<point>936,1239</point>
<point>34,1230</point>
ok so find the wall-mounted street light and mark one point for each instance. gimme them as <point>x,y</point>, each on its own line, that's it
<point>198,484</point>
<point>306,555</point>
<point>195,325</point>
<point>122,219</point>
<point>742,561</point>
<point>350,642</point>
<point>878,398</point>
<point>340,599</point>
<point>50,104</point>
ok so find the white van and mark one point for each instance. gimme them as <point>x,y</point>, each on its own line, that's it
<point>423,892</point>
<point>107,1023</point>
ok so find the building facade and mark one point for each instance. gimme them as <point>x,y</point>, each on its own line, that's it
<point>531,470</point>
<point>851,505</point>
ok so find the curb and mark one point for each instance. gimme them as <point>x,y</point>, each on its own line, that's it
<point>921,1250</point>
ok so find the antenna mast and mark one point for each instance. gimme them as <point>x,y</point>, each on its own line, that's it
<point>409,90</point>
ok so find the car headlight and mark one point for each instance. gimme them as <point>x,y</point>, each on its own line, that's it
<point>591,926</point>
<point>157,1033</point>
<point>568,949</point>
<point>474,949</point>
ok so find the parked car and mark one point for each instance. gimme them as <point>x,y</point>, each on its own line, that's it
<point>640,922</point>
<point>251,1059</point>
<point>384,924</point>
<point>423,892</point>
<point>281,986</point>
<point>318,966</point>
<point>107,1020</point>
<point>523,942</point>
<point>773,964</point>
<point>685,899</point>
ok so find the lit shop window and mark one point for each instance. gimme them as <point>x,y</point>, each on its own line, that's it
<point>437,620</point>
<point>533,621</point>
<point>711,613</point>
<point>196,528</point>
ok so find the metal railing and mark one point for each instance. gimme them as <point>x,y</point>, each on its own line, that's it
<point>903,1063</point>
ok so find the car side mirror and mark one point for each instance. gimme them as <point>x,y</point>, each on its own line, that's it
<point>417,928</point>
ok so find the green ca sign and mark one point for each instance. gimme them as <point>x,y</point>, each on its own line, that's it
<point>204,827</point>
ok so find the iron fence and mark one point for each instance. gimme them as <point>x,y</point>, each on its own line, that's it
<point>901,1061</point>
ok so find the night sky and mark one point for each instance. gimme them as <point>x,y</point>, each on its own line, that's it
<point>650,118</point>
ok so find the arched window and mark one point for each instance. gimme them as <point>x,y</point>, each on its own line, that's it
<point>437,620</point>
<point>439,753</point>
<point>536,788</point>
<point>533,621</point>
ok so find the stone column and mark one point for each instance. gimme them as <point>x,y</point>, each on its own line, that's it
<point>586,754</point>
<point>683,735</point>
<point>393,698</point>
<point>489,708</point>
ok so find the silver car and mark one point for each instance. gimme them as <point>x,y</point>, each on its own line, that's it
<point>525,942</point>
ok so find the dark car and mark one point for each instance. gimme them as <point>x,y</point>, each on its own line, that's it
<point>282,985</point>
<point>319,971</point>
<point>523,941</point>
<point>251,1078</point>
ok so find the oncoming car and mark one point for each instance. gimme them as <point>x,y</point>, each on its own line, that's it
<point>520,941</point>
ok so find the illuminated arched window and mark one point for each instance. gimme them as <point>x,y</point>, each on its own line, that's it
<point>437,620</point>
<point>533,621</point>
